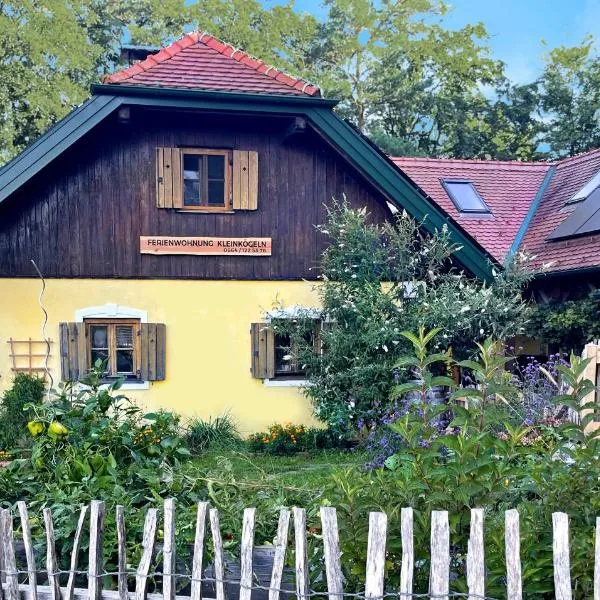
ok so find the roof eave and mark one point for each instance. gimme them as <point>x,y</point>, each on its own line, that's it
<point>147,91</point>
<point>577,272</point>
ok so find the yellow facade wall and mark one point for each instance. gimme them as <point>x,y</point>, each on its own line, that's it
<point>208,339</point>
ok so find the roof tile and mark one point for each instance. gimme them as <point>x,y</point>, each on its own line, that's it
<point>201,61</point>
<point>570,176</point>
<point>507,187</point>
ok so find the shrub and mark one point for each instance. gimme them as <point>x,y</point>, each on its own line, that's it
<point>279,439</point>
<point>478,460</point>
<point>26,390</point>
<point>380,280</point>
<point>289,439</point>
<point>220,433</point>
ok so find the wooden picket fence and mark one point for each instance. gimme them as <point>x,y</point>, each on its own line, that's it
<point>439,576</point>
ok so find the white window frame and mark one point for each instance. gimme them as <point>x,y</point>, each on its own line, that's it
<point>290,312</point>
<point>111,310</point>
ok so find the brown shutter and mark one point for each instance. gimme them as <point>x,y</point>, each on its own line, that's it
<point>152,351</point>
<point>263,351</point>
<point>169,178</point>
<point>245,180</point>
<point>73,351</point>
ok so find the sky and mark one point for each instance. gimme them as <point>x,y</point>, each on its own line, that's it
<point>521,31</point>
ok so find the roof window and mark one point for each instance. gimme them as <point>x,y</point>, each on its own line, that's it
<point>465,197</point>
<point>586,190</point>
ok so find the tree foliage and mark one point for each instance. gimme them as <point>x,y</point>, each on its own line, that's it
<point>402,76</point>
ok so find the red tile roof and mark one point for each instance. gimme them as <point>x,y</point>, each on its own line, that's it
<point>507,187</point>
<point>200,61</point>
<point>570,176</point>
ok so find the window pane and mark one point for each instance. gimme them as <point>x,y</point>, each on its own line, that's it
<point>191,166</point>
<point>465,197</point>
<point>192,178</point>
<point>124,361</point>
<point>283,359</point>
<point>99,336</point>
<point>124,336</point>
<point>216,167</point>
<point>191,193</point>
<point>216,193</point>
<point>99,355</point>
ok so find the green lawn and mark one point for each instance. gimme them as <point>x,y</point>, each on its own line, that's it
<point>307,472</point>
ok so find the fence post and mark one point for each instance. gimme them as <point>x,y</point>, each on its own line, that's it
<point>560,552</point>
<point>218,549</point>
<point>51,562</point>
<point>95,558</point>
<point>8,552</point>
<point>196,590</point>
<point>439,576</point>
<point>246,554</point>
<point>28,543</point>
<point>141,577</point>
<point>121,553</point>
<point>281,542</point>
<point>475,556</point>
<point>512,544</point>
<point>408,553</point>
<point>331,549</point>
<point>70,591</point>
<point>301,553</point>
<point>376,555</point>
<point>169,549</point>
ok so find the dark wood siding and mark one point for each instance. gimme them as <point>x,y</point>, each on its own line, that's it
<point>83,215</point>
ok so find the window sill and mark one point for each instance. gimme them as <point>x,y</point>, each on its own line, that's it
<point>127,385</point>
<point>285,382</point>
<point>214,211</point>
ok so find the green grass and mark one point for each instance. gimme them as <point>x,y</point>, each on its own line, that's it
<point>306,471</point>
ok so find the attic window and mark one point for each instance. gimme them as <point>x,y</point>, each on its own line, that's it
<point>586,190</point>
<point>465,197</point>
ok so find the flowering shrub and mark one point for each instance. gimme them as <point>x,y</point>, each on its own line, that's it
<point>479,460</point>
<point>289,438</point>
<point>381,280</point>
<point>537,393</point>
<point>279,439</point>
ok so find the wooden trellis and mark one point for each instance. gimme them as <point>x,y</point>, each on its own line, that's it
<point>29,356</point>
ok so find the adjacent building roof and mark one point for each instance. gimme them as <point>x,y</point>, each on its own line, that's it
<point>508,189</point>
<point>550,210</point>
<point>549,237</point>
<point>202,62</point>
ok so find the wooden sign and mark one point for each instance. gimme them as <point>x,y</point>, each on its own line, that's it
<point>206,246</point>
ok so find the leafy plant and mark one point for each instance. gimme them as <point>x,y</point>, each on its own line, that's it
<point>26,390</point>
<point>479,460</point>
<point>380,280</point>
<point>220,433</point>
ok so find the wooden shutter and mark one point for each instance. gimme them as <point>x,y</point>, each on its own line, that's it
<point>73,351</point>
<point>245,180</point>
<point>263,351</point>
<point>169,178</point>
<point>152,351</point>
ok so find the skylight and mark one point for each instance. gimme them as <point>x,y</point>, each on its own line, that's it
<point>586,190</point>
<point>465,197</point>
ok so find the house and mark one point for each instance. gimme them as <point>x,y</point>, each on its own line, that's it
<point>550,210</point>
<point>170,213</point>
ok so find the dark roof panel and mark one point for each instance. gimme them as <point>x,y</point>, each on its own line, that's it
<point>584,220</point>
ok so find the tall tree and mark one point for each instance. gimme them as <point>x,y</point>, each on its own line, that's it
<point>570,97</point>
<point>399,72</point>
<point>45,64</point>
